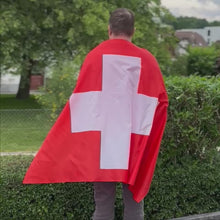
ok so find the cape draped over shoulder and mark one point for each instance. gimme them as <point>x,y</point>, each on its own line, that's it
<point>111,128</point>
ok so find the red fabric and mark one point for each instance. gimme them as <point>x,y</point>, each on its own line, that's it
<point>74,157</point>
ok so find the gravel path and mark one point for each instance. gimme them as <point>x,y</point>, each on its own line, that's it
<point>18,153</point>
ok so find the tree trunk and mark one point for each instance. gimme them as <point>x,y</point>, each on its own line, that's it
<point>24,85</point>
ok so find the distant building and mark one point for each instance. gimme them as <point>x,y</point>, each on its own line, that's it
<point>187,38</point>
<point>196,38</point>
<point>9,83</point>
<point>192,38</point>
<point>210,34</point>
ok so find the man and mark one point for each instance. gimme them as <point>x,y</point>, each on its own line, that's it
<point>120,31</point>
<point>111,127</point>
<point>121,27</point>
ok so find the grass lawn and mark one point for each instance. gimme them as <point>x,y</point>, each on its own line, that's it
<point>10,102</point>
<point>23,124</point>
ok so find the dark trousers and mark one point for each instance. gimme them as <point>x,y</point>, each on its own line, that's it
<point>104,196</point>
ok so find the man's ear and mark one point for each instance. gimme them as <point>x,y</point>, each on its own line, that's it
<point>109,31</point>
<point>133,31</point>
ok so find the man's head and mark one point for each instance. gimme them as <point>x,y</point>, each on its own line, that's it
<point>121,24</point>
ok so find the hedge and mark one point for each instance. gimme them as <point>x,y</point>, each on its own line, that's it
<point>186,180</point>
<point>202,60</point>
<point>193,124</point>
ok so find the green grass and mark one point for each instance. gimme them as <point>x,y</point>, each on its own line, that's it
<point>23,124</point>
<point>10,102</point>
<point>24,129</point>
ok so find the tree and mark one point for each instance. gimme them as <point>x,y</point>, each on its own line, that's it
<point>24,27</point>
<point>184,22</point>
<point>36,32</point>
<point>150,33</point>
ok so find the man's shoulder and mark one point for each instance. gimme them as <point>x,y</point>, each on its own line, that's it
<point>97,51</point>
<point>144,52</point>
<point>99,47</point>
<point>120,48</point>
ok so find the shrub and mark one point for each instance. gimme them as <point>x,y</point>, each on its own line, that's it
<point>46,201</point>
<point>202,61</point>
<point>59,87</point>
<point>178,67</point>
<point>192,128</point>
<point>176,191</point>
<point>182,190</point>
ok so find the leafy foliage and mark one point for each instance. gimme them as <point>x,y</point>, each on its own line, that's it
<point>59,87</point>
<point>176,191</point>
<point>49,201</point>
<point>39,32</point>
<point>184,22</point>
<point>184,189</point>
<point>202,61</point>
<point>192,128</point>
<point>178,67</point>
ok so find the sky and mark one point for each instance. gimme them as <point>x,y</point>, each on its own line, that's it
<point>208,9</point>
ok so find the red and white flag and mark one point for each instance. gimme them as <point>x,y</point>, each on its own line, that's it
<point>111,128</point>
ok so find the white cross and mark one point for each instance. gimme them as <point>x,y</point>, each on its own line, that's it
<point>117,111</point>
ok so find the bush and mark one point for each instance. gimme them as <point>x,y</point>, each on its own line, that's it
<point>202,61</point>
<point>47,201</point>
<point>182,190</point>
<point>178,67</point>
<point>59,87</point>
<point>192,128</point>
<point>176,191</point>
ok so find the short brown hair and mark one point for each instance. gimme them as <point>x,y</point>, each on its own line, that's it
<point>121,22</point>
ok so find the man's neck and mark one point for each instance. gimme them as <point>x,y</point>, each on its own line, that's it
<point>122,37</point>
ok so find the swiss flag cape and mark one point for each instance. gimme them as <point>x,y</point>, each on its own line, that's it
<point>111,128</point>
